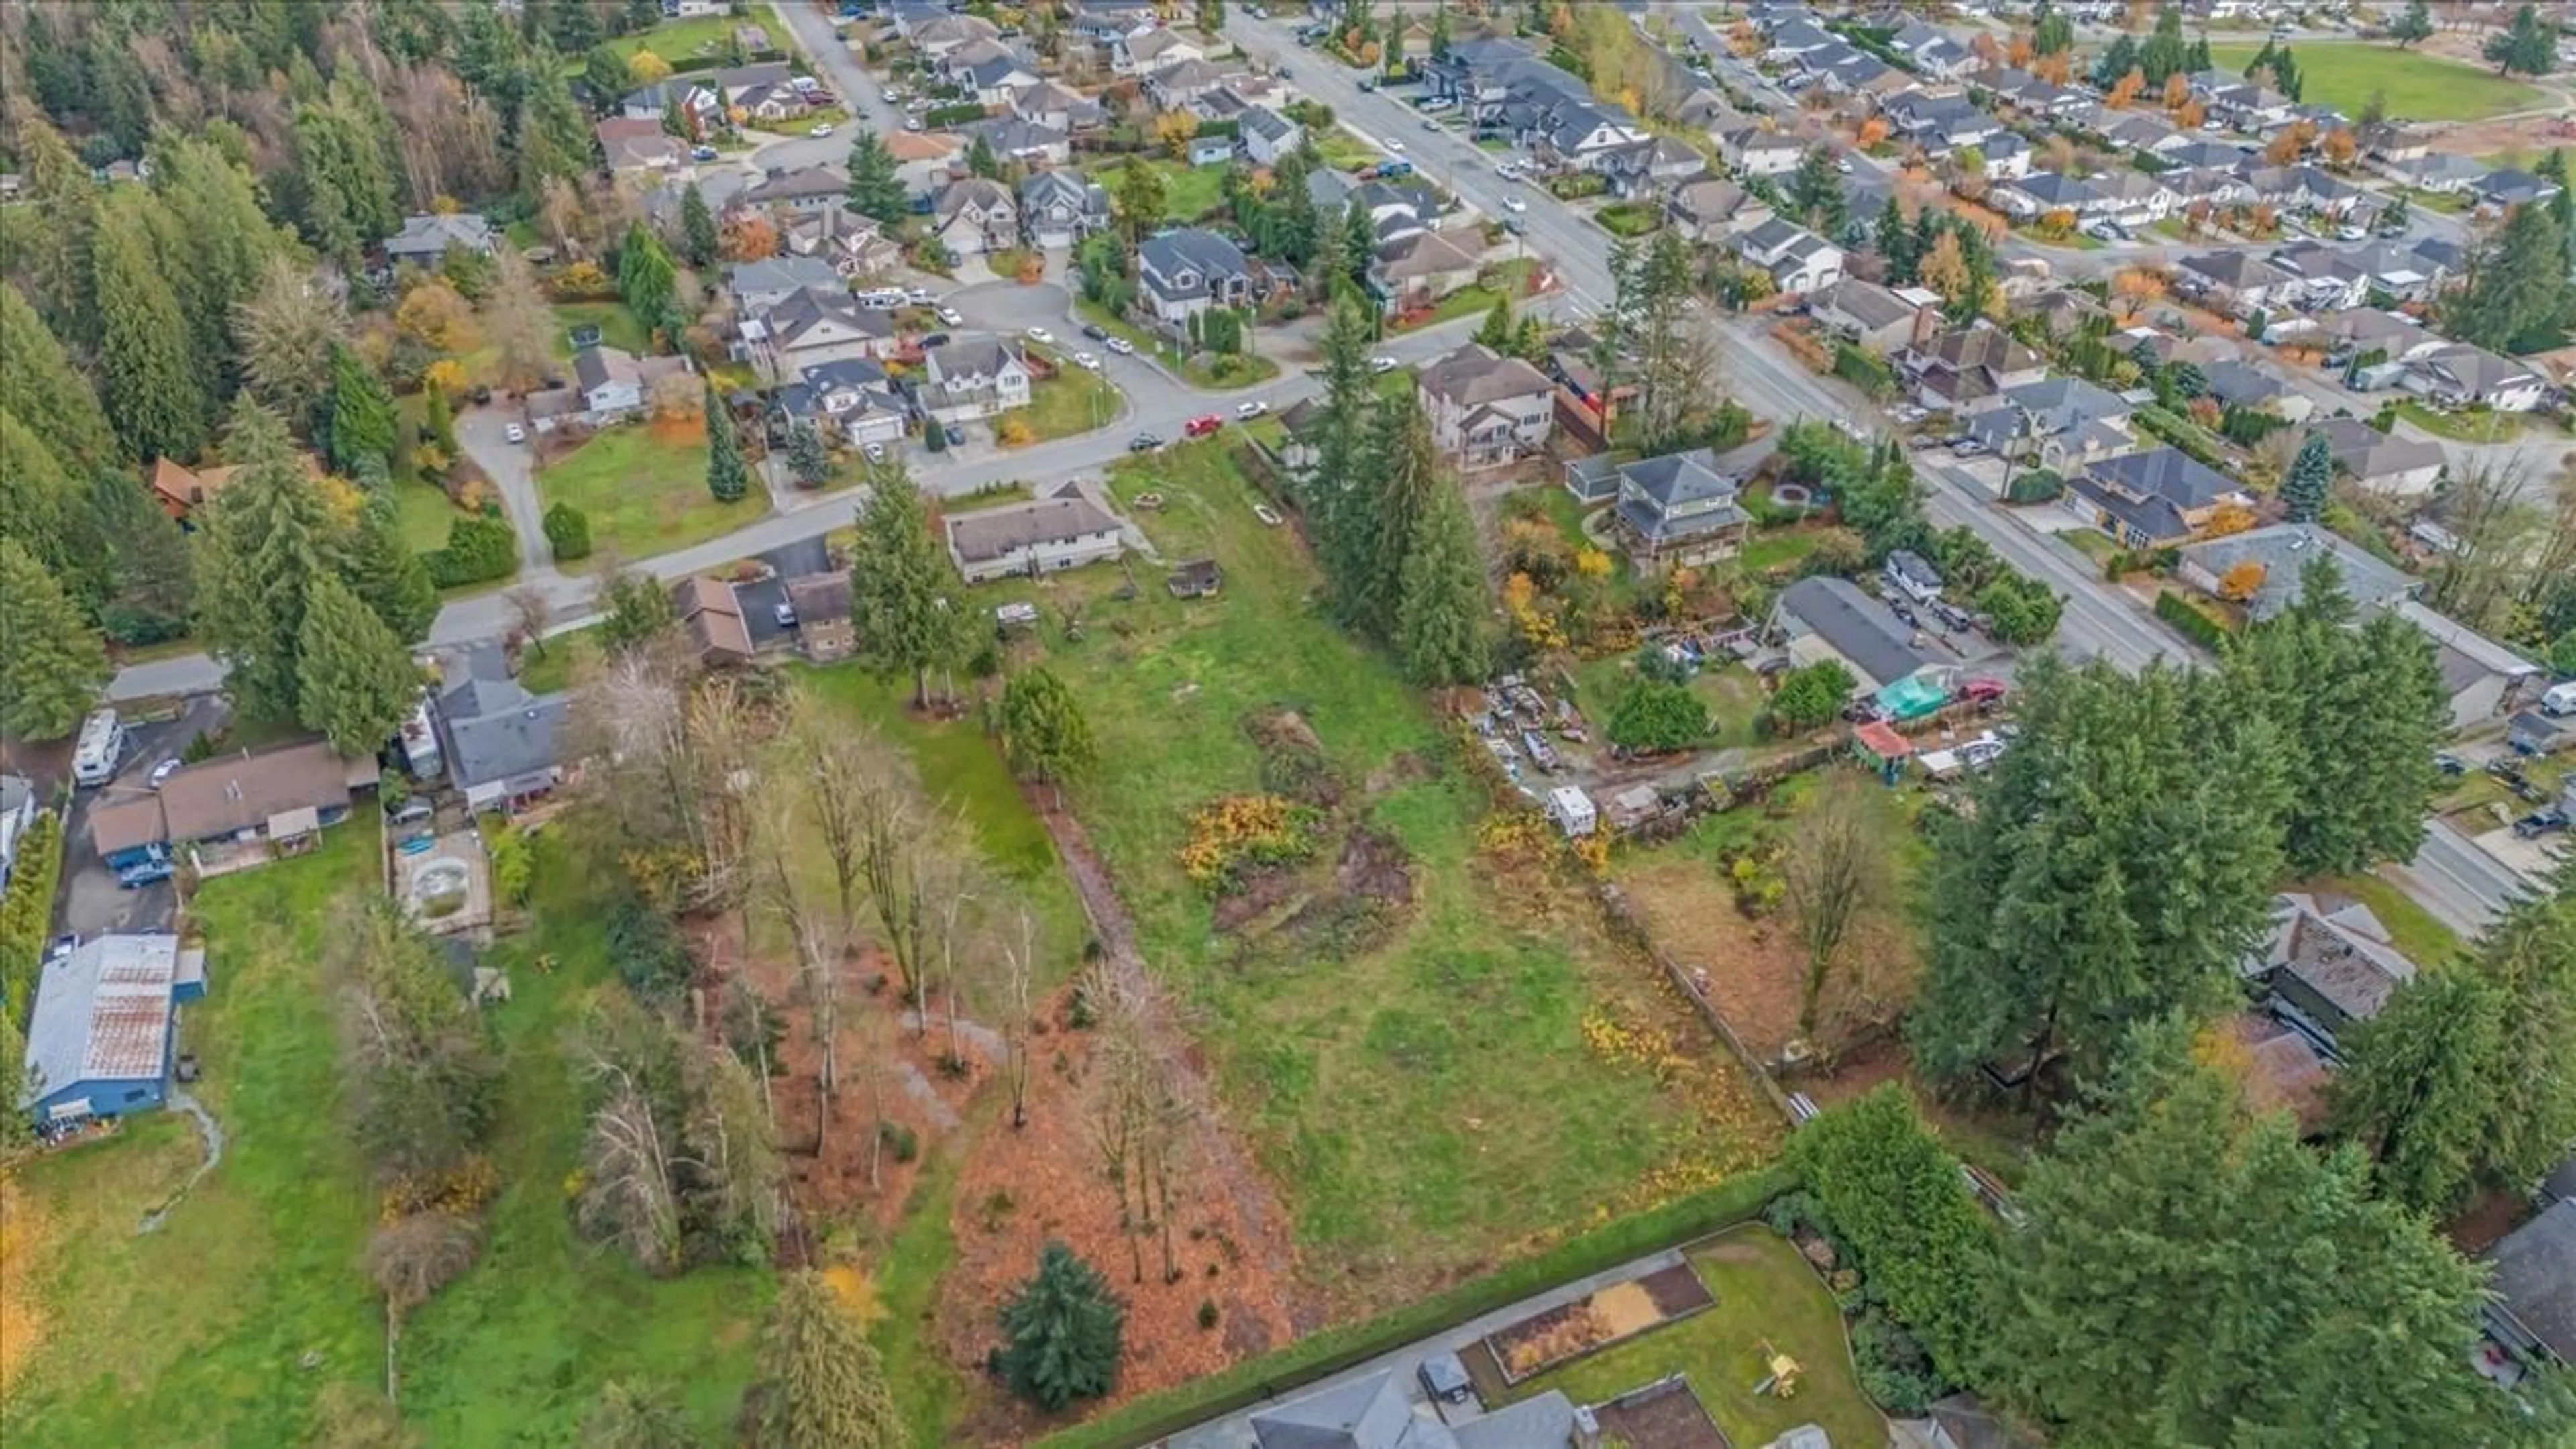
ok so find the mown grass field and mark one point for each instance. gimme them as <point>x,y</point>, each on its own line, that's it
<point>200,1333</point>
<point>1426,1102</point>
<point>2415,86</point>
<point>646,491</point>
<point>1189,192</point>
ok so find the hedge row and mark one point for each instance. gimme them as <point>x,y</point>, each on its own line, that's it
<point>2191,437</point>
<point>27,911</point>
<point>1311,1358</point>
<point>2194,622</point>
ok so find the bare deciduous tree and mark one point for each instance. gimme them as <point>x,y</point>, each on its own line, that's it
<point>1014,978</point>
<point>531,610</point>
<point>1833,866</point>
<point>410,1259</point>
<point>2486,514</point>
<point>835,769</point>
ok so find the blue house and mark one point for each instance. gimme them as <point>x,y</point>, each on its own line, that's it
<point>105,1028</point>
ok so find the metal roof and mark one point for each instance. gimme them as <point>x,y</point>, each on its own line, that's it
<point>103,1014</point>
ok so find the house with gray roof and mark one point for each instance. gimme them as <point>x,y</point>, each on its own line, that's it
<point>1713,209</point>
<point>794,191</point>
<point>1379,1411</point>
<point>1067,528</point>
<point>17,816</point>
<point>1189,270</point>
<point>104,1032</point>
<point>2463,376</point>
<point>1025,142</point>
<point>2533,1309</point>
<point>1753,151</point>
<point>1059,208</point>
<point>1486,410</point>
<point>974,215</point>
<point>503,745</point>
<point>425,237</point>
<point>2328,962</point>
<point>815,325</point>
<point>1883,318</point>
<point>2382,462</point>
<point>1821,617</point>
<point>760,285</point>
<point>1268,135</point>
<point>2153,499</point>
<point>1056,106</point>
<point>2056,423</point>
<point>2279,557</point>
<point>2253,386</point>
<point>970,377</point>
<point>1681,508</point>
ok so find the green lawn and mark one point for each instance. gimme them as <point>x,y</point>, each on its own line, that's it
<point>644,495</point>
<point>1189,192</point>
<point>2417,86</point>
<point>2414,929</point>
<point>618,327</point>
<point>1423,1098</point>
<point>1346,152</point>
<point>1766,1296</point>
<point>1075,400</point>
<point>1629,219</point>
<point>679,40</point>
<point>1777,548</point>
<point>1240,370</point>
<point>426,515</point>
<point>202,1332</point>
<point>2470,425</point>
<point>2092,543</point>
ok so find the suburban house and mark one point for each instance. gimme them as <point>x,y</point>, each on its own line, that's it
<point>2507,187</point>
<point>1881,318</point>
<point>425,237</point>
<point>1268,135</point>
<point>1714,209</point>
<point>103,1034</point>
<point>824,628</point>
<point>936,35</point>
<point>1060,208</point>
<point>2041,192</point>
<point>1797,259</point>
<point>1486,410</point>
<point>1187,271</point>
<point>1821,617</point>
<point>1376,1412</point>
<point>2058,423</point>
<point>1065,529</point>
<point>853,245</point>
<point>2234,282</point>
<point>17,814</point>
<point>2464,376</point>
<point>2153,499</point>
<point>2485,679</point>
<point>609,384</point>
<point>1940,124</point>
<point>1025,142</point>
<point>2271,564</point>
<point>1153,49</point>
<point>180,489</point>
<point>794,192</point>
<point>226,813</point>
<point>987,70</point>
<point>2328,962</point>
<point>1967,364</point>
<point>853,396</point>
<point>1931,52</point>
<point>2533,1310</point>
<point>634,147</point>
<point>1183,83</point>
<point>1753,151</point>
<point>2256,388</point>
<point>974,215</point>
<point>2382,462</point>
<point>760,285</point>
<point>1651,166</point>
<point>970,377</point>
<point>1418,268</point>
<point>503,746</point>
<point>710,617</point>
<point>1056,107</point>
<point>1681,508</point>
<point>1911,574</point>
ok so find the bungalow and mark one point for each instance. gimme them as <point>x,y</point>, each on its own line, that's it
<point>825,628</point>
<point>1753,151</point>
<point>988,71</point>
<point>760,285</point>
<point>1182,83</point>
<point>1060,208</point>
<point>1486,410</point>
<point>937,36</point>
<point>1420,267</point>
<point>1025,142</point>
<point>2268,568</point>
<point>2236,282</point>
<point>2257,388</point>
<point>2042,192</point>
<point>2328,962</point>
<point>2382,462</point>
<point>710,617</point>
<point>221,811</point>
<point>180,490</point>
<point>1798,260</point>
<point>1065,529</point>
<point>1967,364</point>
<point>1881,318</point>
<point>701,108</point>
<point>610,384</point>
<point>1152,50</point>
<point>2444,173</point>
<point>635,147</point>
<point>1714,209</point>
<point>102,1036</point>
<point>2464,376</point>
<point>2153,499</point>
<point>971,377</point>
<point>794,192</point>
<point>1268,136</point>
<point>1822,617</point>
<point>425,238</point>
<point>1931,52</point>
<point>974,215</point>
<point>1187,271</point>
<point>503,745</point>
<point>2485,679</point>
<point>1056,107</point>
<point>2533,1309</point>
<point>1795,39</point>
<point>812,325</point>
<point>2507,187</point>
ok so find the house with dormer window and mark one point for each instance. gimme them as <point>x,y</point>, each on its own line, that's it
<point>1486,410</point>
<point>1187,271</point>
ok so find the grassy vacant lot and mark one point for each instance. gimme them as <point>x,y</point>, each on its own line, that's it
<point>1189,192</point>
<point>2418,87</point>
<point>1423,1094</point>
<point>645,490</point>
<point>679,40</point>
<point>1345,152</point>
<point>198,1333</point>
<point>1766,1296</point>
<point>1075,400</point>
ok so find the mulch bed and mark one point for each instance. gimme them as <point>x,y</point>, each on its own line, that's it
<point>1676,1290</point>
<point>1662,1415</point>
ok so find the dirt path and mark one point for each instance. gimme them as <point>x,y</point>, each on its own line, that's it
<point>213,1133</point>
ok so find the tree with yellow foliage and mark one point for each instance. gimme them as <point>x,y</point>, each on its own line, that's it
<point>2177,91</point>
<point>644,68</point>
<point>2126,90</point>
<point>2339,148</point>
<point>2241,581</point>
<point>1173,131</point>
<point>2133,289</point>
<point>433,315</point>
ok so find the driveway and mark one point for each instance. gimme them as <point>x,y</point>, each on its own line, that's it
<point>91,903</point>
<point>760,600</point>
<point>483,434</point>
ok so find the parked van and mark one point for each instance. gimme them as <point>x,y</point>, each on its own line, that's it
<point>2560,700</point>
<point>102,746</point>
<point>884,299</point>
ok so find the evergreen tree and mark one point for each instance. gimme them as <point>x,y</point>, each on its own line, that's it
<point>2117,60</point>
<point>2526,46</point>
<point>728,477</point>
<point>392,579</point>
<point>902,590</point>
<point>288,330</point>
<point>824,1385</point>
<point>1439,622</point>
<point>49,240</point>
<point>2311,478</point>
<point>49,396</point>
<point>808,460</point>
<point>1138,199</point>
<point>1044,733</point>
<point>364,423</point>
<point>1061,1333</point>
<point>980,160</point>
<point>1336,493</point>
<point>148,574</point>
<point>2120,863</point>
<point>1404,471</point>
<point>698,239</point>
<point>155,391</point>
<point>1497,332</point>
<point>2517,298</point>
<point>567,533</point>
<point>553,135</point>
<point>2531,955</point>
<point>2164,54</point>
<point>604,78</point>
<point>56,663</point>
<point>354,681</point>
<point>2414,25</point>
<point>2422,1087</point>
<point>1816,192</point>
<point>216,240</point>
<point>267,537</point>
<point>40,503</point>
<point>15,1131</point>
<point>2051,33</point>
<point>2186,1273</point>
<point>632,1416</point>
<point>646,280</point>
<point>875,189</point>
<point>1896,244</point>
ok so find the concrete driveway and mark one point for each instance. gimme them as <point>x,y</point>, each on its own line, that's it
<point>91,903</point>
<point>484,435</point>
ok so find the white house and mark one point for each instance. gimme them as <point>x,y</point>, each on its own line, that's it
<point>1797,259</point>
<point>971,377</point>
<point>855,397</point>
<point>1268,135</point>
<point>1753,151</point>
<point>812,325</point>
<point>1486,410</point>
<point>1066,529</point>
<point>975,215</point>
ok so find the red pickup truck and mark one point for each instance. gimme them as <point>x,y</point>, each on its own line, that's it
<point>1202,425</point>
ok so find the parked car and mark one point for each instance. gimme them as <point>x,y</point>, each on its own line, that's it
<point>1250,409</point>
<point>952,316</point>
<point>874,452</point>
<point>820,128</point>
<point>1395,144</point>
<point>1983,691</point>
<point>60,947</point>
<point>1429,124</point>
<point>515,433</point>
<point>1514,202</point>
<point>1202,425</point>
<point>2450,764</point>
<point>1144,442</point>
<point>1382,364</point>
<point>1039,334</point>
<point>702,153</point>
<point>1087,360</point>
<point>161,773</point>
<point>1120,345</point>
<point>934,339</point>
<point>1095,331</point>
<point>2539,823</point>
<point>785,613</point>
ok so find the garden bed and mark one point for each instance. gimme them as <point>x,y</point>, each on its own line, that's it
<point>1574,1330</point>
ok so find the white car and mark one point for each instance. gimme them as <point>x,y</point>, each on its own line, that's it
<point>821,128</point>
<point>162,772</point>
<point>950,316</point>
<point>1086,360</point>
<point>1121,346</point>
<point>1395,145</point>
<point>515,433</point>
<point>874,452</point>
<point>1843,164</point>
<point>785,613</point>
<point>1250,409</point>
<point>1513,202</point>
<point>1382,364</point>
<point>1040,334</point>
<point>919,297</point>
<point>913,125</point>
<point>891,95</point>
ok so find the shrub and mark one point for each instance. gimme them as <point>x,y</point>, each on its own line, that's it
<point>567,533</point>
<point>27,912</point>
<point>648,952</point>
<point>479,549</point>
<point>1894,1370</point>
<point>900,1140</point>
<point>1655,715</point>
<point>2194,622</point>
<point>1809,698</point>
<point>2035,485</point>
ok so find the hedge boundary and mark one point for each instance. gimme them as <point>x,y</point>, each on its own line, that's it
<point>1277,1374</point>
<point>2192,621</point>
<point>27,912</point>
